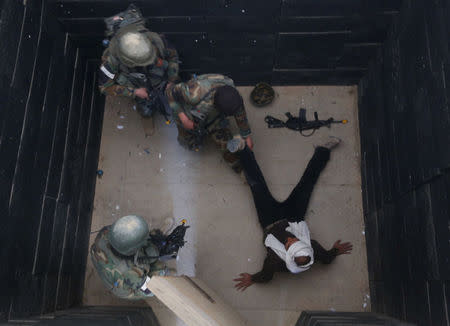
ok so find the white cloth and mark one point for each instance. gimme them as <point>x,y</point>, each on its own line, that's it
<point>300,248</point>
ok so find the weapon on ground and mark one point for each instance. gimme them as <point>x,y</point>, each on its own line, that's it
<point>300,123</point>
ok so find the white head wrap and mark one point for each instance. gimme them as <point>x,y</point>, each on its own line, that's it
<point>300,248</point>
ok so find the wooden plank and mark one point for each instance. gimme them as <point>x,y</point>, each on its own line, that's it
<point>15,102</point>
<point>357,54</point>
<point>69,191</point>
<point>310,50</point>
<point>43,243</point>
<point>374,253</point>
<point>322,8</point>
<point>407,207</point>
<point>416,303</point>
<point>96,8</point>
<point>28,298</point>
<point>438,54</point>
<point>390,90</point>
<point>438,303</point>
<point>425,237</point>
<point>12,13</point>
<point>187,299</point>
<point>440,197</point>
<point>181,24</point>
<point>19,30</point>
<point>243,8</point>
<point>365,28</point>
<point>161,24</point>
<point>22,192</point>
<point>85,207</point>
<point>317,76</point>
<point>55,256</point>
<point>74,258</point>
<point>242,23</point>
<point>58,147</point>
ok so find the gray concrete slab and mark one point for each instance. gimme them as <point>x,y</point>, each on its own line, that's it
<point>156,178</point>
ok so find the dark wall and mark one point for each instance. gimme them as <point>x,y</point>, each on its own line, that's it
<point>95,316</point>
<point>50,126</point>
<point>405,143</point>
<point>282,42</point>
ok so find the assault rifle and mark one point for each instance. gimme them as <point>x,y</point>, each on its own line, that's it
<point>162,246</point>
<point>201,130</point>
<point>300,123</point>
<point>169,245</point>
<point>157,100</point>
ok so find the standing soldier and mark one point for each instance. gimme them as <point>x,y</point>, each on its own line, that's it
<point>138,64</point>
<point>201,107</point>
<point>126,255</point>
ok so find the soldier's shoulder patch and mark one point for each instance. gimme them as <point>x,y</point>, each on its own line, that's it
<point>107,70</point>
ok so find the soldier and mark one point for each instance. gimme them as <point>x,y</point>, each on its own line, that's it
<point>126,255</point>
<point>138,64</point>
<point>201,107</point>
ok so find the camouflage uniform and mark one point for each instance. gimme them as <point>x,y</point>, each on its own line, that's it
<point>113,78</point>
<point>197,97</point>
<point>119,273</point>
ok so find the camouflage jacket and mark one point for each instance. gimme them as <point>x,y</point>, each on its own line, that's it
<point>196,96</point>
<point>113,78</point>
<point>119,273</point>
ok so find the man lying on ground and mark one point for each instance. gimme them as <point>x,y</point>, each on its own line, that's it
<point>286,235</point>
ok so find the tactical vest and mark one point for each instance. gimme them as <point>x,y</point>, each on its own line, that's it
<point>206,86</point>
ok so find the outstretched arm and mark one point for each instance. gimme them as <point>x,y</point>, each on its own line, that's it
<point>243,125</point>
<point>265,275</point>
<point>327,256</point>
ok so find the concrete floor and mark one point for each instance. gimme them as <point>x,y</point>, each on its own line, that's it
<point>156,178</point>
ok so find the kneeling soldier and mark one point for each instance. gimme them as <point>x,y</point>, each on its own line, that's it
<point>126,255</point>
<point>138,64</point>
<point>201,107</point>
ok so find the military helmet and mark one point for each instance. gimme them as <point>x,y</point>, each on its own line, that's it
<point>128,234</point>
<point>262,94</point>
<point>133,47</point>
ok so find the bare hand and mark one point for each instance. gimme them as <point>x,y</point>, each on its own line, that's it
<point>243,282</point>
<point>141,93</point>
<point>343,248</point>
<point>187,123</point>
<point>249,142</point>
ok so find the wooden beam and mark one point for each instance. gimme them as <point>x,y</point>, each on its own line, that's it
<point>193,301</point>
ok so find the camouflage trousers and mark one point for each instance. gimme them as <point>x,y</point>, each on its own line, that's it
<point>219,136</point>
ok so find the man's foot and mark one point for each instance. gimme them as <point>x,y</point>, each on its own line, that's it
<point>149,126</point>
<point>332,143</point>
<point>236,144</point>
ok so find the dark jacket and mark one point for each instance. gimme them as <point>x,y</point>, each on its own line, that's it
<point>273,263</point>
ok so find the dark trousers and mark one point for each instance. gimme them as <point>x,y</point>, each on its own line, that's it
<point>294,207</point>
